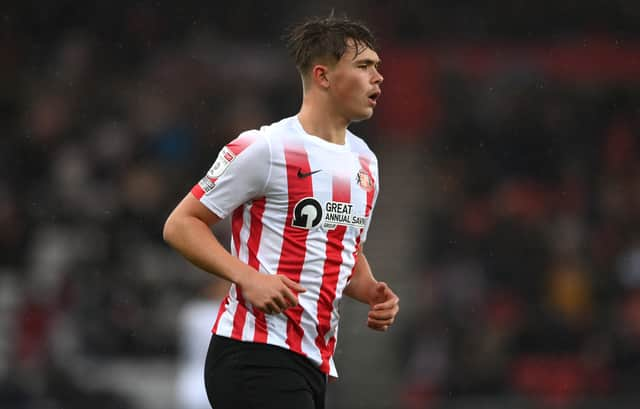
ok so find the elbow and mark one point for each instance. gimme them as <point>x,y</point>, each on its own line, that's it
<point>169,230</point>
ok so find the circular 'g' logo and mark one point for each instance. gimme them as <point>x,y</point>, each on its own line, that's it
<point>307,213</point>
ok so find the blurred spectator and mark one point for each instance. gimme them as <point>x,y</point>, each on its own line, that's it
<point>195,335</point>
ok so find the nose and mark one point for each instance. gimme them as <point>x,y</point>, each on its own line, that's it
<point>377,78</point>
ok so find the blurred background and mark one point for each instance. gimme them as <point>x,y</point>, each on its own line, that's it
<point>508,221</point>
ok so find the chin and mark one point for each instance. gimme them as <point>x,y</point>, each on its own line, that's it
<point>362,116</point>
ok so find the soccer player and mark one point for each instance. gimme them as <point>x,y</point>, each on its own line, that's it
<point>300,193</point>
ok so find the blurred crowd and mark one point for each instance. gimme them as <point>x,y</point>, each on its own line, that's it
<point>530,250</point>
<point>529,256</point>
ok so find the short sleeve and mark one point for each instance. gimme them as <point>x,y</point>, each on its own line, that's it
<point>238,175</point>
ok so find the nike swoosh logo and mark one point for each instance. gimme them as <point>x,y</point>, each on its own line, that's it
<point>302,174</point>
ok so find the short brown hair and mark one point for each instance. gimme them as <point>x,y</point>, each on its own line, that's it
<point>325,37</point>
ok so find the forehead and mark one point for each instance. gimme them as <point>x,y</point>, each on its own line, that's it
<point>363,53</point>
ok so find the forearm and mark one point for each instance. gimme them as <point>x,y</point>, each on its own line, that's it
<point>362,285</point>
<point>193,238</point>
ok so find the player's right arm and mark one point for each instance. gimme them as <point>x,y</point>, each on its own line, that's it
<point>239,174</point>
<point>188,231</point>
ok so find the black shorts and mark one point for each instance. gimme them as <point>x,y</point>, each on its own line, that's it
<point>247,375</point>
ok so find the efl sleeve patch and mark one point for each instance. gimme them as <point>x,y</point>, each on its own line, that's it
<point>225,157</point>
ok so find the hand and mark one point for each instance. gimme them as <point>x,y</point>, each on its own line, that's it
<point>384,307</point>
<point>271,294</point>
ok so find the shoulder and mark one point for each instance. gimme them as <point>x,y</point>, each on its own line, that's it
<point>252,140</point>
<point>261,136</point>
<point>279,129</point>
<point>244,140</point>
<point>260,141</point>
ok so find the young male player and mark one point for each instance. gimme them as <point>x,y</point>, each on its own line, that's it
<point>300,193</point>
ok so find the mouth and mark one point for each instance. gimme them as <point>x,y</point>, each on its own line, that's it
<point>373,97</point>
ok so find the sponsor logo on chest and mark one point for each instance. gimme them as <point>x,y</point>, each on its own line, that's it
<point>309,213</point>
<point>339,213</point>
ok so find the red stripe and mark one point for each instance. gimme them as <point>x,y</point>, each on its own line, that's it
<point>255,232</point>
<point>355,256</point>
<point>197,191</point>
<point>242,142</point>
<point>332,264</point>
<point>241,311</point>
<point>294,239</point>
<point>253,244</point>
<point>239,317</point>
<point>364,162</point>
<point>236,226</point>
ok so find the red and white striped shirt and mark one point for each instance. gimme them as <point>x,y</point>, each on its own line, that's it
<point>300,207</point>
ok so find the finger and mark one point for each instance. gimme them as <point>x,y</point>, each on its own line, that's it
<point>387,305</point>
<point>378,327</point>
<point>293,285</point>
<point>271,308</point>
<point>388,319</point>
<point>382,322</point>
<point>290,297</point>
<point>280,302</point>
<point>381,314</point>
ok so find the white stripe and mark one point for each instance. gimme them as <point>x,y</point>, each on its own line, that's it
<point>249,325</point>
<point>345,272</point>
<point>225,326</point>
<point>243,253</point>
<point>311,276</point>
<point>250,322</point>
<point>277,337</point>
<point>273,220</point>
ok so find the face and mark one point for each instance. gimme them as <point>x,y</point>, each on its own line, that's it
<point>354,83</point>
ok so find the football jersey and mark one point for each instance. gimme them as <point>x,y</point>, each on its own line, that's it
<point>300,206</point>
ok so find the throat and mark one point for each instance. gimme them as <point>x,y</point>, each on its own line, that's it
<point>324,129</point>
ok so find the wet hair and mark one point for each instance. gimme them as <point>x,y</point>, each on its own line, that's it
<point>325,38</point>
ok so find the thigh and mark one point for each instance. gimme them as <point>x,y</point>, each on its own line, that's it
<point>249,376</point>
<point>222,382</point>
<point>276,388</point>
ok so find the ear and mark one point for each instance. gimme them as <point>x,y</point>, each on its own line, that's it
<point>319,75</point>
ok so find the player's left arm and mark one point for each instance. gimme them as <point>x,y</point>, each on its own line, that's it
<point>384,304</point>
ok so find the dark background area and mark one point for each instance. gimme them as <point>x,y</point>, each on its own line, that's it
<point>508,221</point>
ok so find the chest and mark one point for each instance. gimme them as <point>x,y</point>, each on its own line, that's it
<point>322,190</point>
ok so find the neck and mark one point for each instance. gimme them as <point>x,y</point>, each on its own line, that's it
<point>317,119</point>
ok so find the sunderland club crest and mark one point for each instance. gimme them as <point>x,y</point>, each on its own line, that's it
<point>364,180</point>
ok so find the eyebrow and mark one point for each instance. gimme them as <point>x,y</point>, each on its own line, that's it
<point>368,61</point>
